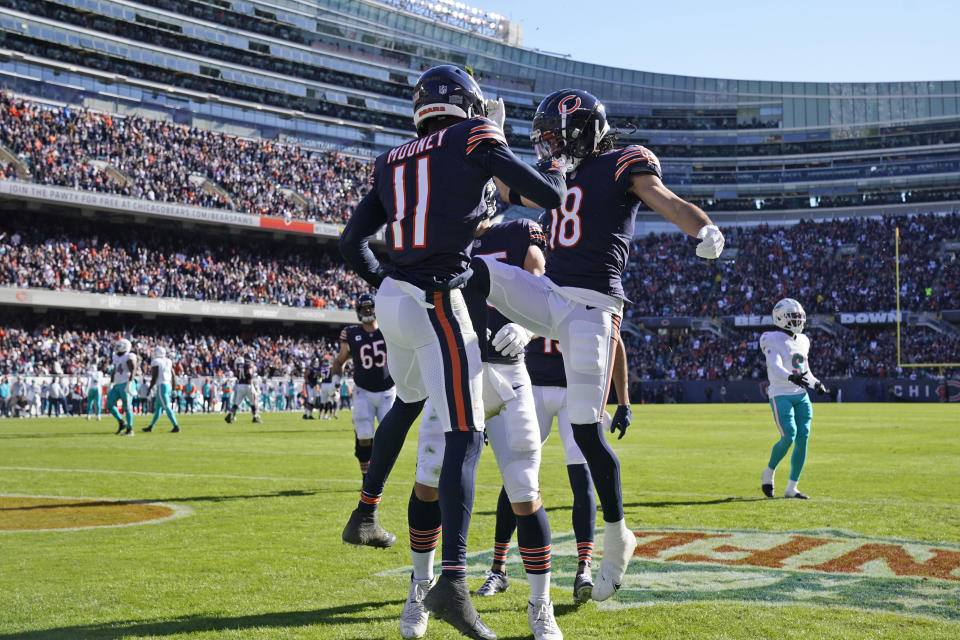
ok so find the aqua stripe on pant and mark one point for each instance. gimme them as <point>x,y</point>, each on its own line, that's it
<point>161,404</point>
<point>793,415</point>
<point>118,393</point>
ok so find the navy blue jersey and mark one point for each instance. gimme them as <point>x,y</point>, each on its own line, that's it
<point>313,376</point>
<point>369,354</point>
<point>326,372</point>
<point>545,363</point>
<point>507,242</point>
<point>432,190</point>
<point>429,194</point>
<point>588,237</point>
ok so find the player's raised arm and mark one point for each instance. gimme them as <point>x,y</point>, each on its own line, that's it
<point>688,217</point>
<point>343,355</point>
<point>366,221</point>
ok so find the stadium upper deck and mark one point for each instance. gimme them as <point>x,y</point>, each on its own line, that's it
<point>337,73</point>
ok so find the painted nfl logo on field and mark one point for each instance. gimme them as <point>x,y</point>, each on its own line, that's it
<point>823,567</point>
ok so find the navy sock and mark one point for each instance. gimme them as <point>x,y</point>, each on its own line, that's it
<point>387,443</point>
<point>604,468</point>
<point>424,520</point>
<point>506,525</point>
<point>457,483</point>
<point>584,510</point>
<point>533,541</point>
<point>363,455</point>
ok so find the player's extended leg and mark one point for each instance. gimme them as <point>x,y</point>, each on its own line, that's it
<point>254,406</point>
<point>588,338</point>
<point>167,408</point>
<point>363,527</point>
<point>803,416</point>
<point>584,507</point>
<point>521,296</point>
<point>783,417</point>
<point>126,399</point>
<point>114,395</point>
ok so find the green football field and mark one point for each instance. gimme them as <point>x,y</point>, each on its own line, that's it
<point>253,548</point>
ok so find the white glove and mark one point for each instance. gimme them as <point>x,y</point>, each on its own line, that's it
<point>711,245</point>
<point>495,110</point>
<point>511,339</point>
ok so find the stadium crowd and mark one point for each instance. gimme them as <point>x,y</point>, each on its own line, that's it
<point>64,253</point>
<point>829,266</point>
<point>67,344</point>
<point>860,351</point>
<point>161,161</point>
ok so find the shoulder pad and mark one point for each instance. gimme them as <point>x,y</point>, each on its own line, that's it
<point>639,160</point>
<point>483,130</point>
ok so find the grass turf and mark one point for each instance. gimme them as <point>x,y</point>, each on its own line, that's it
<point>258,554</point>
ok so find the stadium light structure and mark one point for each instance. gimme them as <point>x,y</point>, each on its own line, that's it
<point>462,16</point>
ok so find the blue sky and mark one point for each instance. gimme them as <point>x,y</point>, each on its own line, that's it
<point>810,40</point>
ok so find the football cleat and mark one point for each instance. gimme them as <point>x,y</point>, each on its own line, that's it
<point>175,430</point>
<point>128,432</point>
<point>449,600</point>
<point>229,418</point>
<point>767,490</point>
<point>147,429</point>
<point>363,529</point>
<point>413,618</point>
<point>797,495</point>
<point>121,427</point>
<point>257,419</point>
<point>542,623</point>
<point>618,545</point>
<point>582,587</point>
<point>495,583</point>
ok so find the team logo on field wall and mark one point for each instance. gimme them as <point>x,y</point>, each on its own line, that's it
<point>823,567</point>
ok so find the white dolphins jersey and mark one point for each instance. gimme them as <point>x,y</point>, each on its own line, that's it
<point>165,367</point>
<point>121,373</point>
<point>93,379</point>
<point>793,354</point>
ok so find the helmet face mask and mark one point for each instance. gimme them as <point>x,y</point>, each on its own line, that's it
<point>789,315</point>
<point>568,125</point>
<point>366,308</point>
<point>159,352</point>
<point>445,90</point>
<point>123,346</point>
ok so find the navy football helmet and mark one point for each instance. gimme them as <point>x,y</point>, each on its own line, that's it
<point>445,90</point>
<point>366,308</point>
<point>568,125</point>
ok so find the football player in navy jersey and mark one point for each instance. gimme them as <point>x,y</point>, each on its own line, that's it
<point>374,388</point>
<point>580,299</point>
<point>512,431</point>
<point>429,194</point>
<point>311,388</point>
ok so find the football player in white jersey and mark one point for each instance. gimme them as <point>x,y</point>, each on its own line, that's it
<point>788,371</point>
<point>125,363</point>
<point>161,370</point>
<point>94,382</point>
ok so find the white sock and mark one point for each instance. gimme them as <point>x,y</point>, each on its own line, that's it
<point>539,586</point>
<point>791,487</point>
<point>423,565</point>
<point>767,476</point>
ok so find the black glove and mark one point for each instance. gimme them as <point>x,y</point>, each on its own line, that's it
<point>621,420</point>
<point>798,380</point>
<point>820,389</point>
